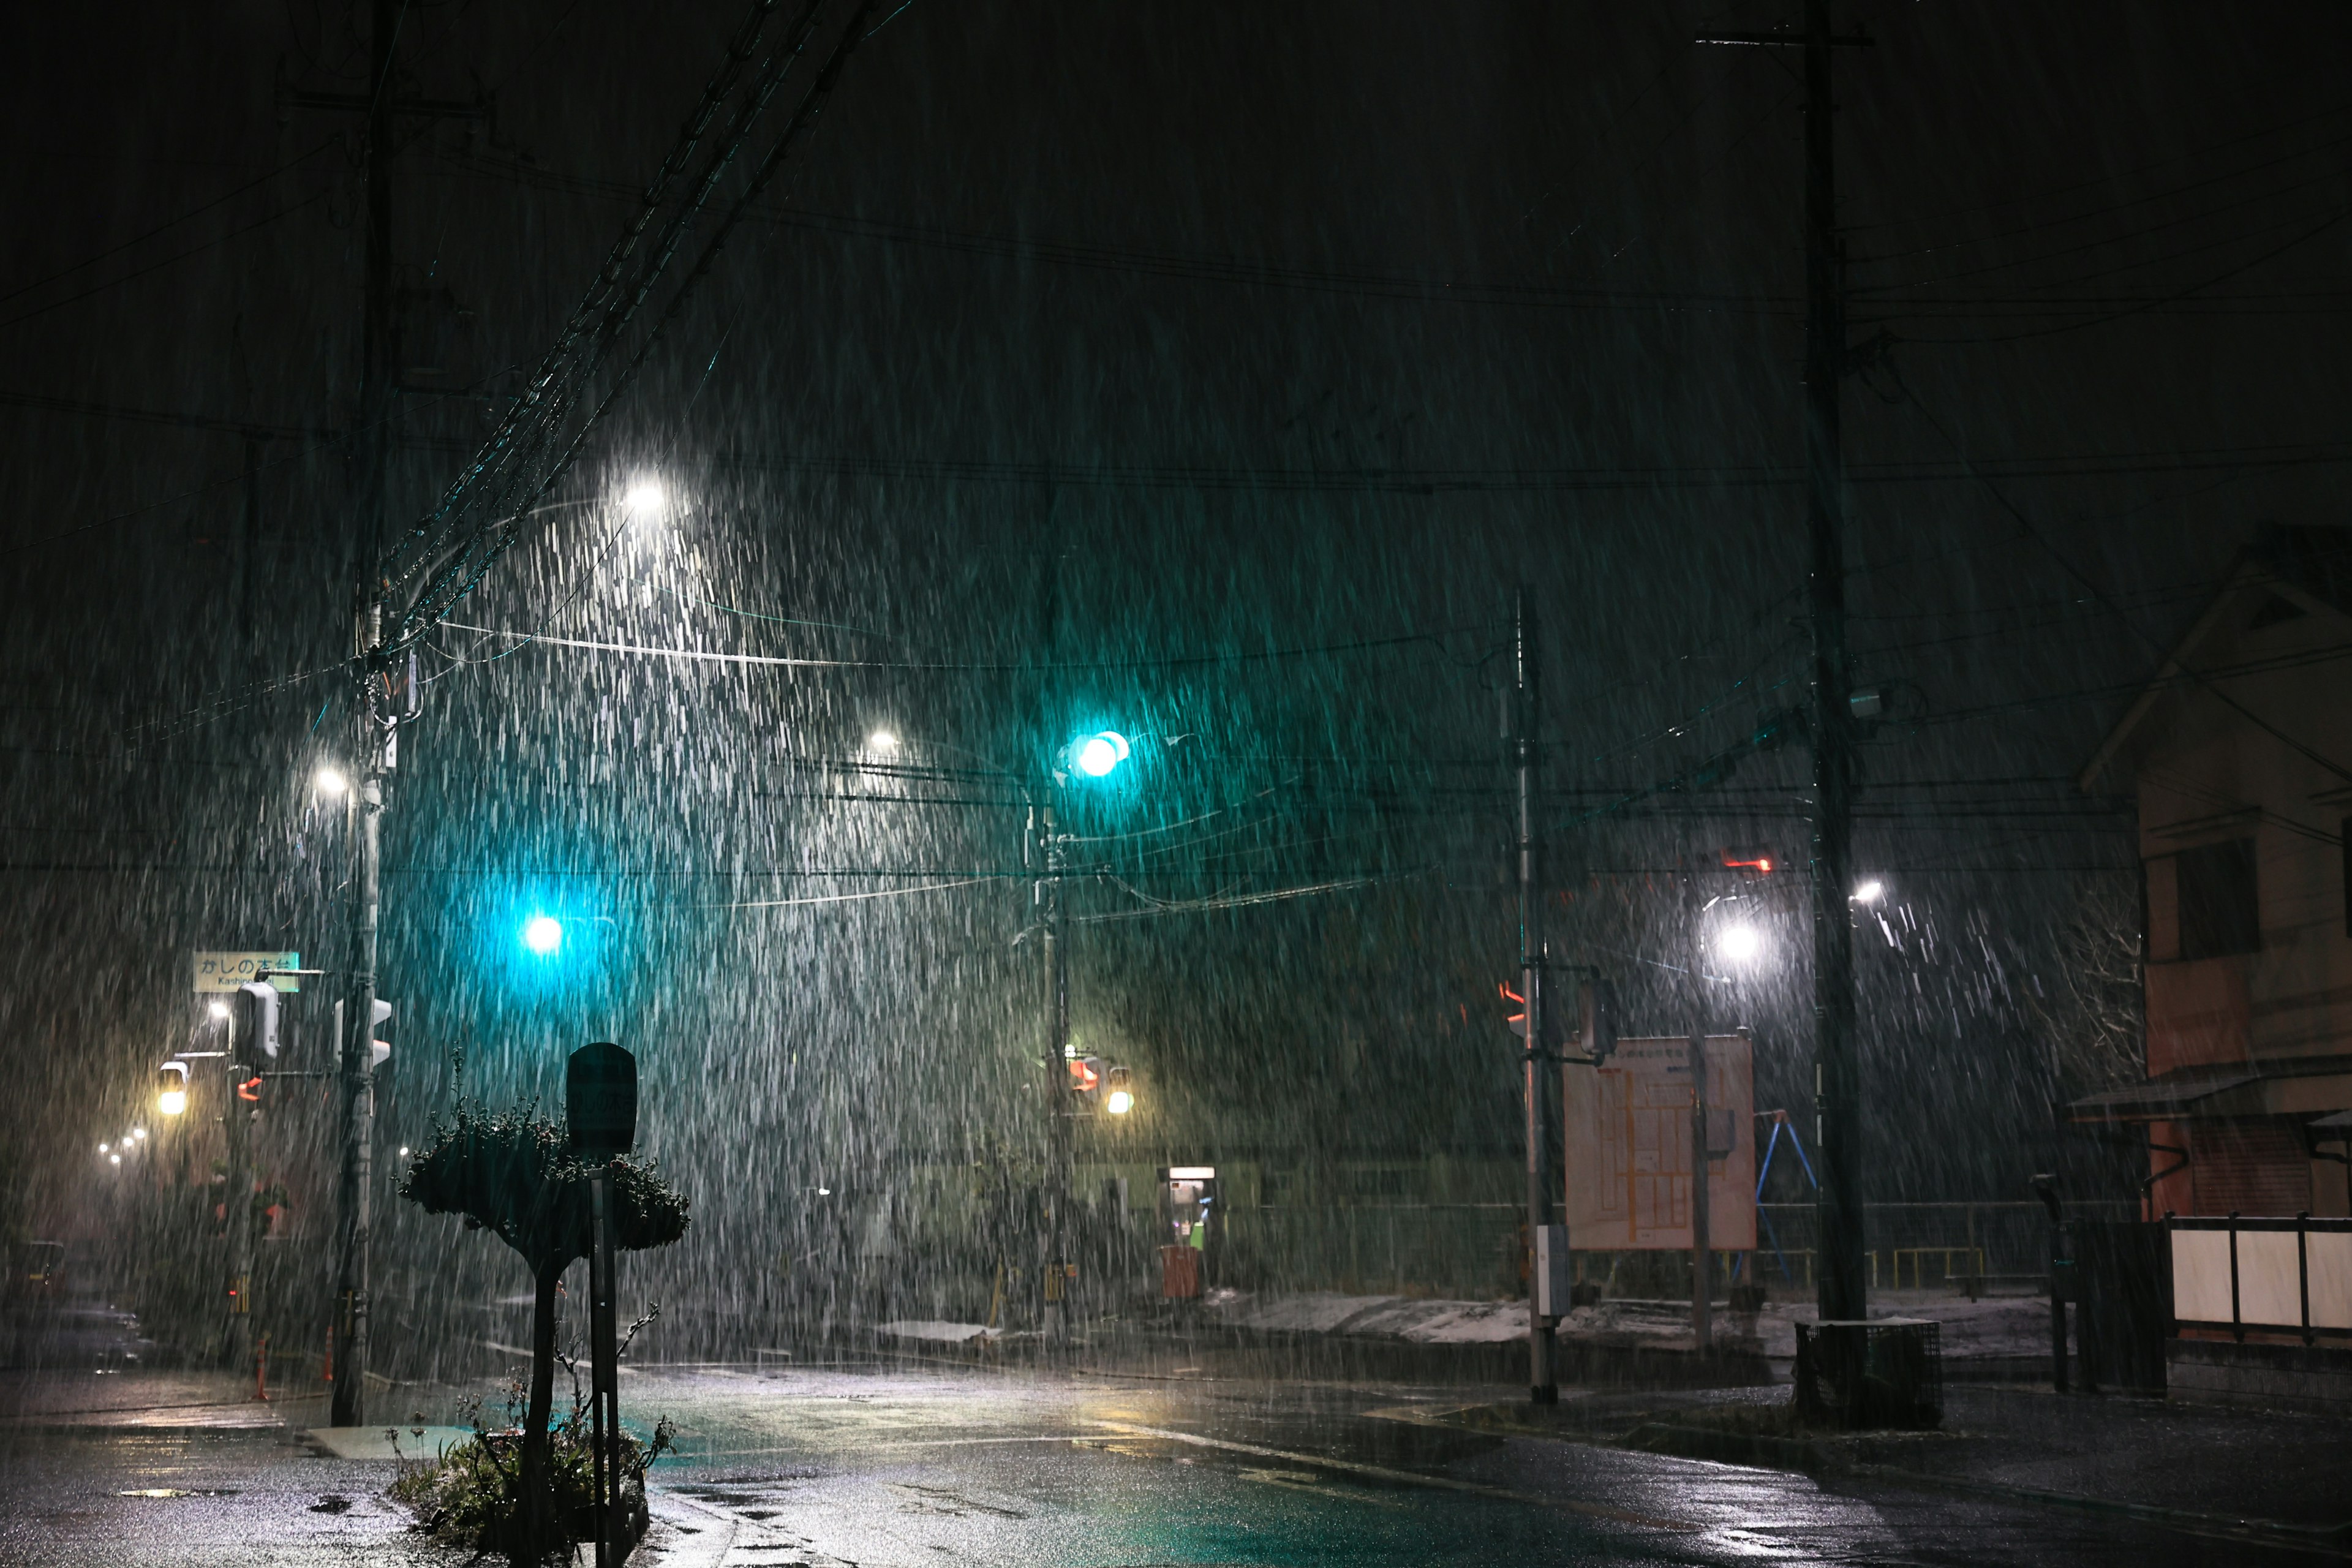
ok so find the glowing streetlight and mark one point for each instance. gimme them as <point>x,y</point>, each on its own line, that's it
<point>543,934</point>
<point>139,1133</point>
<point>103,1147</point>
<point>404,1151</point>
<point>882,741</point>
<point>218,1009</point>
<point>644,499</point>
<point>1121,1097</point>
<point>327,780</point>
<point>116,1158</point>
<point>1739,943</point>
<point>1870,892</point>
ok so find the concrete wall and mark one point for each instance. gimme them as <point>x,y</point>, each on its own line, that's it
<point>2266,1376</point>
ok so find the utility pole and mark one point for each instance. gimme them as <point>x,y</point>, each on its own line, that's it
<point>376,394</point>
<point>236,1126</point>
<point>1053,1281</point>
<point>1527,755</point>
<point>1053,866</point>
<point>1837,1078</point>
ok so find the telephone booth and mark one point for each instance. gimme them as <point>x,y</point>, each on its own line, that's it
<point>1191,1224</point>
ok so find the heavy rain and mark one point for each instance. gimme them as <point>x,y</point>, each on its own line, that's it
<point>830,780</point>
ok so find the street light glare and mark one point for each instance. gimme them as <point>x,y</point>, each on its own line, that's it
<point>644,499</point>
<point>330,782</point>
<point>1119,1103</point>
<point>882,741</point>
<point>171,1101</point>
<point>218,1009</point>
<point>543,935</point>
<point>1741,944</point>
<point>139,1133</point>
<point>1870,892</point>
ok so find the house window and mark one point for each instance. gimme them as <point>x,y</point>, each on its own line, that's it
<point>2219,913</point>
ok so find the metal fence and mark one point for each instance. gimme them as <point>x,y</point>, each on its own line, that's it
<point>1970,1247</point>
<point>1471,1250</point>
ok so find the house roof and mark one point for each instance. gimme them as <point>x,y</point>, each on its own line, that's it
<point>2212,1089</point>
<point>2309,567</point>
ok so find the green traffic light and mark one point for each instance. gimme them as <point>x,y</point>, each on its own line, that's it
<point>1096,755</point>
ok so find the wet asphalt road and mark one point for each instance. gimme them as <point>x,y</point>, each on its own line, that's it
<point>827,1466</point>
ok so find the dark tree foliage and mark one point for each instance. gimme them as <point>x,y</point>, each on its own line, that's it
<point>513,1173</point>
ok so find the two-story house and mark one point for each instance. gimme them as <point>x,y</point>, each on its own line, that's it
<point>2239,753</point>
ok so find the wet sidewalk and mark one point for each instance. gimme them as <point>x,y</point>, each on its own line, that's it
<point>2274,1476</point>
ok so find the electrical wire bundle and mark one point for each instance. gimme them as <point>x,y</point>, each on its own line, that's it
<point>444,555</point>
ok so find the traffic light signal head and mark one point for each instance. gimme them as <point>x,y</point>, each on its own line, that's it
<point>256,1021</point>
<point>1597,1018</point>
<point>1098,756</point>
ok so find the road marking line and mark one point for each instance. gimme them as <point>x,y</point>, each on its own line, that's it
<point>1407,1477</point>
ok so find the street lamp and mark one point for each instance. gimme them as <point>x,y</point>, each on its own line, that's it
<point>644,499</point>
<point>543,934</point>
<point>327,780</point>
<point>218,1009</point>
<point>172,1087</point>
<point>1120,1099</point>
<point>1870,892</point>
<point>882,741</point>
<point>1741,944</point>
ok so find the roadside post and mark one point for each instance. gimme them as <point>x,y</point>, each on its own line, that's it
<point>599,1085</point>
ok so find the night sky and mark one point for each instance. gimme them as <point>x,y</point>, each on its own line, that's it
<point>1211,373</point>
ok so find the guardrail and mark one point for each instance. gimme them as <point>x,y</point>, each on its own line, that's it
<point>2270,1276</point>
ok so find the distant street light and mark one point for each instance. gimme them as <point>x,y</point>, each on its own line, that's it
<point>218,1009</point>
<point>543,934</point>
<point>1739,943</point>
<point>102,1148</point>
<point>330,782</point>
<point>882,741</point>
<point>1870,892</point>
<point>116,1158</point>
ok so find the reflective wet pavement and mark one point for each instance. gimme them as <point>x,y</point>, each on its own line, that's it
<point>943,1466</point>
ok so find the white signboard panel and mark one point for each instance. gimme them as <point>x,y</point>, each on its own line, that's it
<point>1628,1127</point>
<point>228,971</point>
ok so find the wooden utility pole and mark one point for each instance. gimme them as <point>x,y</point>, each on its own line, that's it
<point>1837,1078</point>
<point>382,106</point>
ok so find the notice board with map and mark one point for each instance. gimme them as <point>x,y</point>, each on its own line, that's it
<point>1628,1128</point>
